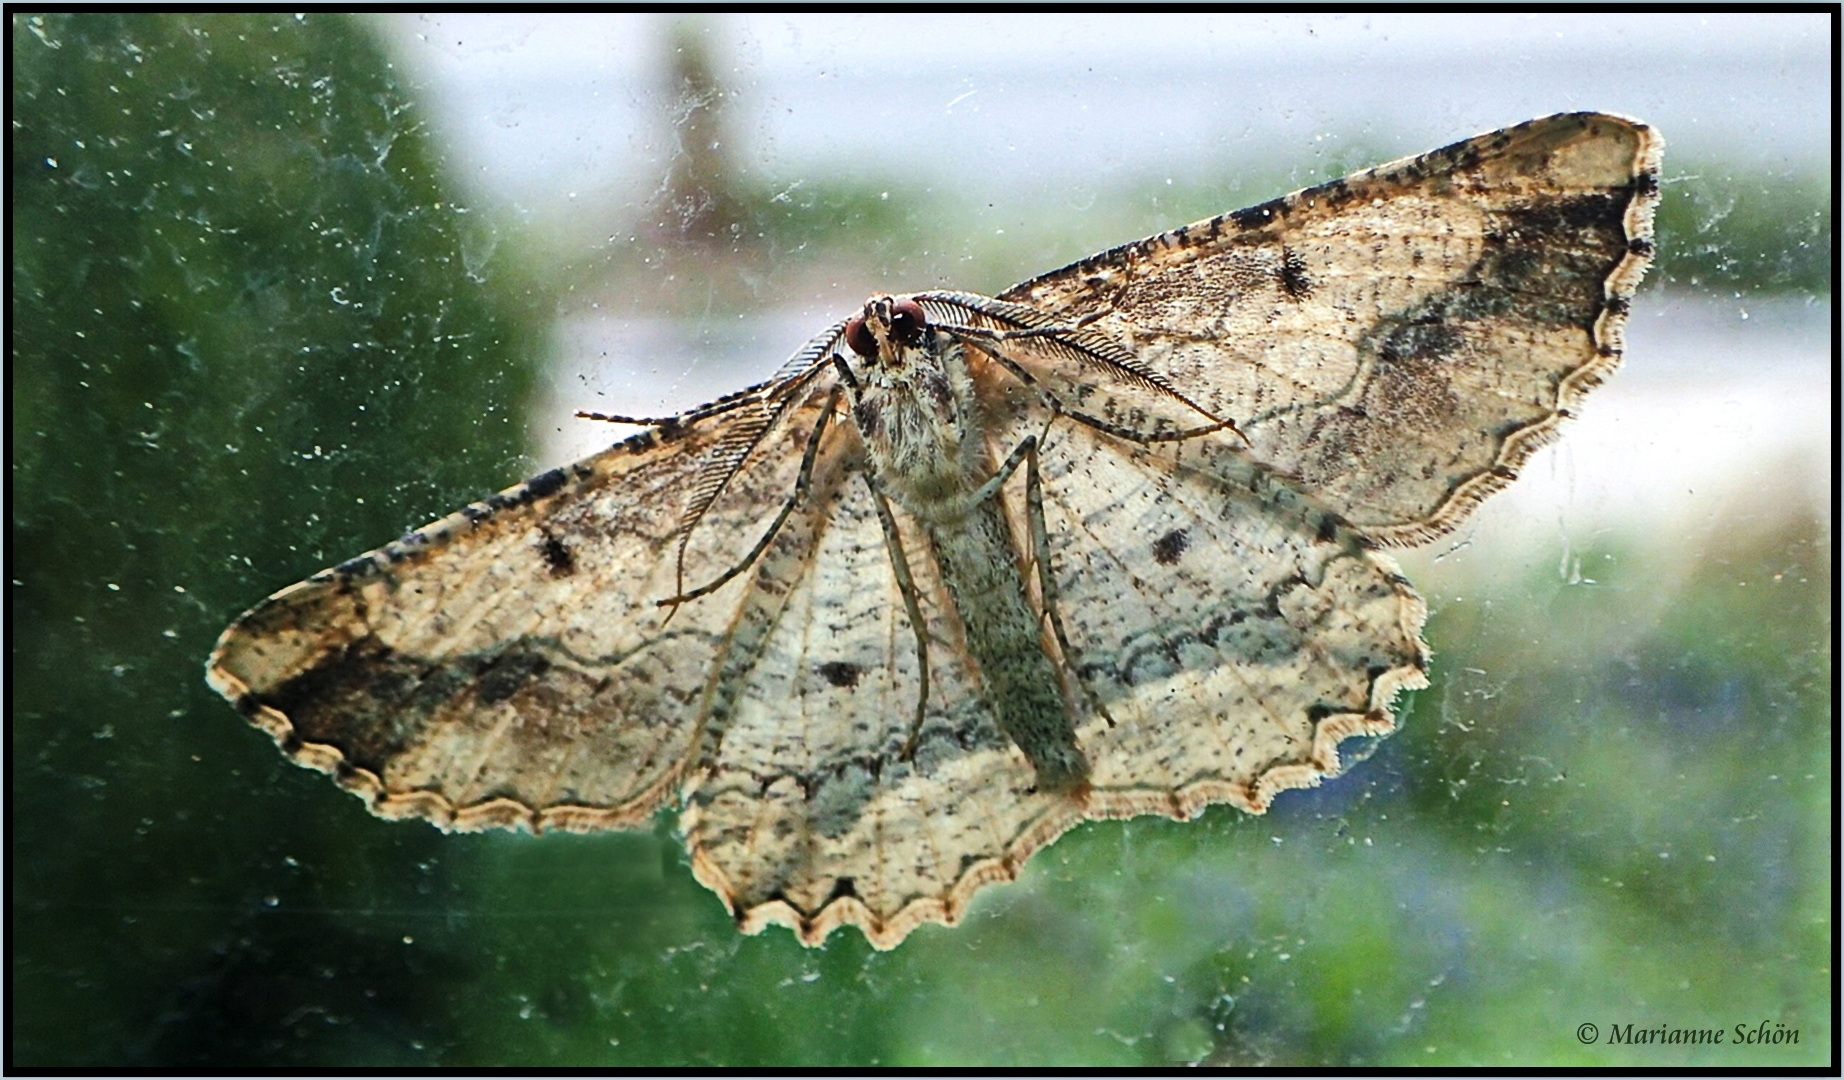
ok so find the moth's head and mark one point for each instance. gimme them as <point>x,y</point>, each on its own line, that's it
<point>887,326</point>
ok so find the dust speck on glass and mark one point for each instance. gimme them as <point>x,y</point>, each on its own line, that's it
<point>972,570</point>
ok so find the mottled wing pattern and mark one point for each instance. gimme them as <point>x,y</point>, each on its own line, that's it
<point>809,815</point>
<point>508,665</point>
<point>1233,630</point>
<point>1397,342</point>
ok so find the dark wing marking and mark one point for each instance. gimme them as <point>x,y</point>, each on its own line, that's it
<point>1400,341</point>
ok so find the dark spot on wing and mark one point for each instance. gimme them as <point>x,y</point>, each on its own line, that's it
<point>557,556</point>
<point>506,673</point>
<point>1169,547</point>
<point>1319,712</point>
<point>1328,527</point>
<point>841,887</point>
<point>348,682</point>
<point>1550,250</point>
<point>1293,277</point>
<point>374,704</point>
<point>840,674</point>
<point>1578,213</point>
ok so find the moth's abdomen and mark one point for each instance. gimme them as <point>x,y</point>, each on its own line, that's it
<point>1021,684</point>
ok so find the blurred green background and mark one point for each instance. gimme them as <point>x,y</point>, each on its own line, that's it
<point>257,328</point>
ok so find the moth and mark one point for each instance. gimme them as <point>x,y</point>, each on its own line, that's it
<point>970,570</point>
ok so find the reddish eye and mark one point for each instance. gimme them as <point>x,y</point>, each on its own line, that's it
<point>907,321</point>
<point>858,336</point>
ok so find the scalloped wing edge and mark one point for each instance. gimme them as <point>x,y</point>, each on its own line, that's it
<point>1183,804</point>
<point>812,930</point>
<point>1618,290</point>
<point>438,810</point>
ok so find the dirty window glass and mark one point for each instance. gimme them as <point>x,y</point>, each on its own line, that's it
<point>284,287</point>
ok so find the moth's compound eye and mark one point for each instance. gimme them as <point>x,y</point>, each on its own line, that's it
<point>858,336</point>
<point>907,321</point>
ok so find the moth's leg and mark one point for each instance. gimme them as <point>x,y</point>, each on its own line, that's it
<point>1046,580</point>
<point>906,585</point>
<point>802,483</point>
<point>734,449</point>
<point>1026,454</point>
<point>1024,450</point>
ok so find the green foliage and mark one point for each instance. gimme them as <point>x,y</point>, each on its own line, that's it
<point>234,266</point>
<point>1726,232</point>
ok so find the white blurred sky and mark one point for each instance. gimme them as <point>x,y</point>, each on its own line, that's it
<point>539,107</point>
